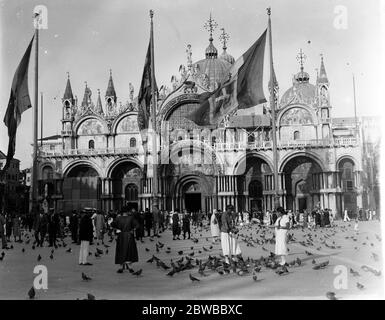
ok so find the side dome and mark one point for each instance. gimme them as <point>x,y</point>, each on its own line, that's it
<point>302,91</point>
<point>217,70</point>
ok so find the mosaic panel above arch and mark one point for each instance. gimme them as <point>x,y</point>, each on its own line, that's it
<point>295,116</point>
<point>128,124</point>
<point>91,127</point>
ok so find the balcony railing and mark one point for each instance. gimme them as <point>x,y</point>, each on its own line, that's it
<point>89,152</point>
<point>219,146</point>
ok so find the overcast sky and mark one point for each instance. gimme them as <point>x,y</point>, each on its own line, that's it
<point>88,37</point>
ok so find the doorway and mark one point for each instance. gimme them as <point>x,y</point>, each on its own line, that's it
<point>192,202</point>
<point>302,204</point>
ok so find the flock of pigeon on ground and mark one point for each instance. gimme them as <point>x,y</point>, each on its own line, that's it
<point>190,260</point>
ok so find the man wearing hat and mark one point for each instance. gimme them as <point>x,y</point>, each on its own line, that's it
<point>229,243</point>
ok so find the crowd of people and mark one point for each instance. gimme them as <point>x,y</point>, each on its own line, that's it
<point>130,225</point>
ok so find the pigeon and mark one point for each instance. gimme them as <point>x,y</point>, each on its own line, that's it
<point>137,273</point>
<point>51,256</point>
<point>180,252</point>
<point>39,257</point>
<point>1,258</point>
<point>99,251</point>
<point>331,295</point>
<point>308,253</point>
<point>171,273</point>
<point>298,261</point>
<point>23,250</point>
<point>3,254</point>
<point>193,278</point>
<point>33,247</point>
<point>85,277</point>
<point>255,277</point>
<point>32,293</point>
<point>147,249</point>
<point>354,273</point>
<point>360,286</point>
<point>97,255</point>
<point>69,250</point>
<point>282,271</point>
<point>90,296</point>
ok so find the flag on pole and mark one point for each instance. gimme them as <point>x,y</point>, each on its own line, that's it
<point>243,89</point>
<point>19,101</point>
<point>144,95</point>
<point>144,105</point>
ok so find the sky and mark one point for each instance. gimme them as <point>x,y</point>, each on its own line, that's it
<point>88,38</point>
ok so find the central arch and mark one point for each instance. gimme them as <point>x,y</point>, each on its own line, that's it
<point>193,192</point>
<point>302,181</point>
<point>254,182</point>
<point>125,176</point>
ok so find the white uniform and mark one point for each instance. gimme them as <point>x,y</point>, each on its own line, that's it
<point>280,235</point>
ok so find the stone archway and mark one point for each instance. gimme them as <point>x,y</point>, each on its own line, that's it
<point>124,178</point>
<point>81,188</point>
<point>302,180</point>
<point>194,192</point>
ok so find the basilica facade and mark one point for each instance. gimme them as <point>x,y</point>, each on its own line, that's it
<point>98,159</point>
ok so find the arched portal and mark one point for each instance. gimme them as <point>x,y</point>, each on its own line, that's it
<point>254,181</point>
<point>302,180</point>
<point>194,192</point>
<point>125,180</point>
<point>81,188</point>
<point>131,196</point>
<point>346,172</point>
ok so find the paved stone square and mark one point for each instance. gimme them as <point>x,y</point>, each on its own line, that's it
<point>353,250</point>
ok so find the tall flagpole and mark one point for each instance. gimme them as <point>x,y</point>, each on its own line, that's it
<point>41,119</point>
<point>272,108</point>
<point>355,104</point>
<point>153,118</point>
<point>35,118</point>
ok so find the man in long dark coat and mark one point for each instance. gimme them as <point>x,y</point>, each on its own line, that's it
<point>175,225</point>
<point>40,228</point>
<point>148,221</point>
<point>126,251</point>
<point>186,225</point>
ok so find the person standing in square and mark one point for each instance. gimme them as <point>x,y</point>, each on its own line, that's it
<point>85,236</point>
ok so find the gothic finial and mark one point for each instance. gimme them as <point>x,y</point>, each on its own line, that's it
<point>189,56</point>
<point>301,58</point>
<point>85,83</point>
<point>110,72</point>
<point>268,11</point>
<point>210,26</point>
<point>151,14</point>
<point>68,75</point>
<point>99,92</point>
<point>223,38</point>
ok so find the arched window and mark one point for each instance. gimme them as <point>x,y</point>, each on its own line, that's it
<point>132,143</point>
<point>296,135</point>
<point>91,144</point>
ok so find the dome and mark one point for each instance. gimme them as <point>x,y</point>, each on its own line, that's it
<point>215,69</point>
<point>303,92</point>
<point>227,57</point>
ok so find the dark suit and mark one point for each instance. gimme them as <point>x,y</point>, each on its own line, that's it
<point>40,227</point>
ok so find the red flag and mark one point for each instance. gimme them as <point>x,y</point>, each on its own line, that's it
<point>243,89</point>
<point>19,101</point>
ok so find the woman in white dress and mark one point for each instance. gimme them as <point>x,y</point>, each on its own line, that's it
<point>282,225</point>
<point>214,226</point>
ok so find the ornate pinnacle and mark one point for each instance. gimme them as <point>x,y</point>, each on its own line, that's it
<point>301,57</point>
<point>268,11</point>
<point>210,26</point>
<point>151,14</point>
<point>223,38</point>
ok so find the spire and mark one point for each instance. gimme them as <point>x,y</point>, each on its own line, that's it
<point>224,38</point>
<point>87,96</point>
<point>301,76</point>
<point>110,92</point>
<point>322,77</point>
<point>210,26</point>
<point>68,91</point>
<point>99,108</point>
